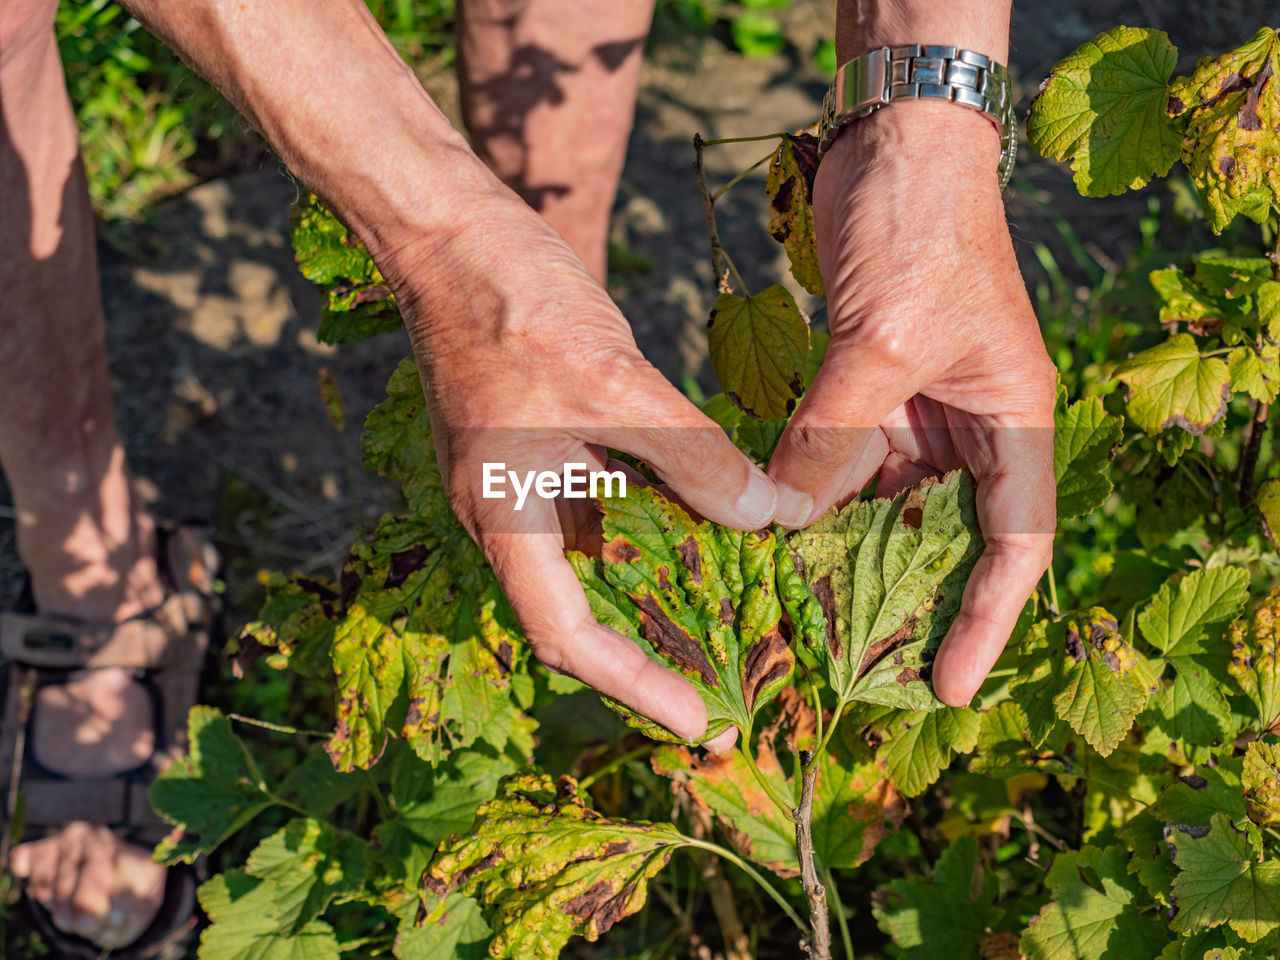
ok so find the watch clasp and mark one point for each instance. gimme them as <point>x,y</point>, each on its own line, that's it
<point>865,85</point>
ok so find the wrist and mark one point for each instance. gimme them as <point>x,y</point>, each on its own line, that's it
<point>863,25</point>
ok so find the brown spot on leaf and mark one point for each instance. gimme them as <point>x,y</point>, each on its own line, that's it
<point>726,611</point>
<point>672,641</point>
<point>618,550</point>
<point>912,517</point>
<point>827,599</point>
<point>405,563</point>
<point>769,661</point>
<point>908,675</point>
<point>503,656</point>
<point>880,648</point>
<point>1195,782</point>
<point>1227,166</point>
<point>615,848</point>
<point>664,577</point>
<point>1075,649</point>
<point>782,203</point>
<point>1194,832</point>
<point>691,558</point>
<point>1175,107</point>
<point>1248,118</point>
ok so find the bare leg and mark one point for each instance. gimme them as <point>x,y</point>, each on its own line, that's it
<point>88,546</point>
<point>548,95</point>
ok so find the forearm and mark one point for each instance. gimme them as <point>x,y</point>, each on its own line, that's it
<point>981,25</point>
<point>344,112</point>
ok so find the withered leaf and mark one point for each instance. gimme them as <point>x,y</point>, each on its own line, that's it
<point>1255,660</point>
<point>759,348</point>
<point>697,597</point>
<point>789,189</point>
<point>883,580</point>
<point>547,867</point>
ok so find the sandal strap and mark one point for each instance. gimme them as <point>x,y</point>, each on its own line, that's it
<point>114,801</point>
<point>164,639</point>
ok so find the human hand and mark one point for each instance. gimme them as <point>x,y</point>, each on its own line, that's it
<point>526,361</point>
<point>936,359</point>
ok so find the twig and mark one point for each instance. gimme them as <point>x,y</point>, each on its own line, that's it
<point>761,779</point>
<point>720,262</point>
<point>1249,462</point>
<point>755,875</point>
<point>819,944</point>
<point>833,894</point>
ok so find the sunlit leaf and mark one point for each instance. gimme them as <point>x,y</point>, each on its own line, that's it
<point>1261,781</point>
<point>1172,385</point>
<point>759,346</point>
<point>456,932</point>
<point>1222,879</point>
<point>1255,660</point>
<point>245,924</point>
<point>1268,501</point>
<point>1231,105</point>
<point>1256,372</point>
<point>1103,108</point>
<point>922,743</point>
<point>698,597</point>
<point>308,863</point>
<point>547,867</point>
<point>1084,441</point>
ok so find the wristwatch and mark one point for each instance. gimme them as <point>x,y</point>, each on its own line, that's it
<point>888,74</point>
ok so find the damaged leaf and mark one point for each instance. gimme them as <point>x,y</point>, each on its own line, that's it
<point>789,189</point>
<point>922,743</point>
<point>358,302</point>
<point>1223,879</point>
<point>1255,660</point>
<point>1172,385</point>
<point>1231,106</point>
<point>697,597</point>
<point>877,585</point>
<point>309,863</point>
<point>1103,108</point>
<point>1261,781</point>
<point>759,349</point>
<point>1268,503</point>
<point>1084,672</point>
<point>547,867</point>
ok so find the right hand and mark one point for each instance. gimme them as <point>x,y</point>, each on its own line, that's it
<point>525,360</point>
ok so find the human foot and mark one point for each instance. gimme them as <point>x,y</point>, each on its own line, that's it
<point>97,723</point>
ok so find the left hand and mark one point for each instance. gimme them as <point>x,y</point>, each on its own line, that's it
<point>936,359</point>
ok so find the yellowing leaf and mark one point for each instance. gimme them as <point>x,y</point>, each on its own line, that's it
<point>759,347</point>
<point>1256,372</point>
<point>881,582</point>
<point>1222,880</point>
<point>1268,501</point>
<point>1232,142</point>
<point>1102,108</point>
<point>547,867</point>
<point>1088,675</point>
<point>789,188</point>
<point>1173,385</point>
<point>1255,660</point>
<point>1261,780</point>
<point>921,744</point>
<point>697,597</point>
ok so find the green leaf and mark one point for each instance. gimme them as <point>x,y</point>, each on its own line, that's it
<point>1261,781</point>
<point>1255,660</point>
<point>309,863</point>
<point>854,807</point>
<point>954,907</point>
<point>1192,706</point>
<point>789,189</point>
<point>759,346</point>
<point>1231,106</point>
<point>1210,295</point>
<point>921,744</point>
<point>548,867</point>
<point>1006,748</point>
<point>1102,108</point>
<point>358,302</point>
<point>1222,880</point>
<point>1268,502</point>
<point>1088,674</point>
<point>1256,372</point>
<point>1191,801</point>
<point>1172,385</point>
<point>246,925</point>
<point>211,792</point>
<point>881,582</point>
<point>458,932</point>
<point>700,598</point>
<point>1084,441</point>
<point>397,444</point>
<point>1189,615</point>
<point>758,35</point>
<point>1094,913</point>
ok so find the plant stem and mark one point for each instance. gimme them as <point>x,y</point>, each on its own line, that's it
<point>763,136</point>
<point>720,262</point>
<point>1053,591</point>
<point>745,747</point>
<point>277,727</point>
<point>613,765</point>
<point>826,738</point>
<point>754,874</point>
<point>740,177</point>
<point>818,945</point>
<point>841,918</point>
<point>1249,462</point>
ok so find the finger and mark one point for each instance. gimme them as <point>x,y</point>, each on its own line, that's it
<point>71,857</point>
<point>824,443</point>
<point>552,609</point>
<point>899,474</point>
<point>20,861</point>
<point>697,458</point>
<point>1017,512</point>
<point>722,743</point>
<point>90,903</point>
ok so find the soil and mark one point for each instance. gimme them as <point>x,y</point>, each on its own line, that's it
<point>212,330</point>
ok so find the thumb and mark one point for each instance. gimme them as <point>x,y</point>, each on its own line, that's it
<point>826,448</point>
<point>696,458</point>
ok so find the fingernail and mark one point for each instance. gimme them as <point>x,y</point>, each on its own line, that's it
<point>20,862</point>
<point>756,505</point>
<point>794,507</point>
